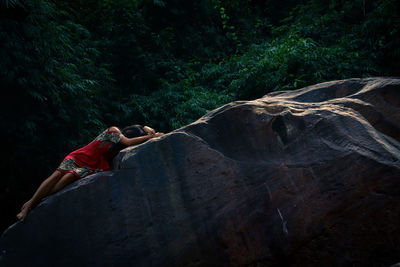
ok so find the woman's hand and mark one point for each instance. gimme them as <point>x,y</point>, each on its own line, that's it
<point>140,139</point>
<point>158,134</point>
<point>149,130</point>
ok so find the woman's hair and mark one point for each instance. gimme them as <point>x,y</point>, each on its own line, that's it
<point>129,132</point>
<point>133,131</point>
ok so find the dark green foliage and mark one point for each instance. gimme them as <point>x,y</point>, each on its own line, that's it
<point>68,69</point>
<point>50,81</point>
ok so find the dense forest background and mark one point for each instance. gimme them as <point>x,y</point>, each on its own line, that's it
<point>69,69</point>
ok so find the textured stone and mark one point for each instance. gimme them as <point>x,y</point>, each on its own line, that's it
<point>297,178</point>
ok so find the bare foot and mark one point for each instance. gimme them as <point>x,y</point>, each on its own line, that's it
<point>24,211</point>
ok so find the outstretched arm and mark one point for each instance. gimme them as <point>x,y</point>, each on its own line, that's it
<point>137,140</point>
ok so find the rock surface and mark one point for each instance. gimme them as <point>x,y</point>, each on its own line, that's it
<point>298,178</point>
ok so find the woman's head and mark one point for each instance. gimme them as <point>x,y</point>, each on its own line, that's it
<point>133,131</point>
<point>129,132</point>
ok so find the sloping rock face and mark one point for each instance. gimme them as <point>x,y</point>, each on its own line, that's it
<point>298,178</point>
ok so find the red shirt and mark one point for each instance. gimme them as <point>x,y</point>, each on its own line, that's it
<point>91,158</point>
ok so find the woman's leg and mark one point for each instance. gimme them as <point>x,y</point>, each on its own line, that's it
<point>63,182</point>
<point>44,190</point>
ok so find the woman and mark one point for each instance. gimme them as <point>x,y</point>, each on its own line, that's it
<point>95,157</point>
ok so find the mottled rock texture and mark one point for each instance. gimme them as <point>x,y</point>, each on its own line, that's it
<point>297,178</point>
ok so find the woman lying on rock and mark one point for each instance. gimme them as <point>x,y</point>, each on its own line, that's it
<point>94,157</point>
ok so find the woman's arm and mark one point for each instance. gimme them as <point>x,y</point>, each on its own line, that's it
<point>135,140</point>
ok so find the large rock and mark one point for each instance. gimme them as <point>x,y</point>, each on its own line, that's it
<point>298,178</point>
